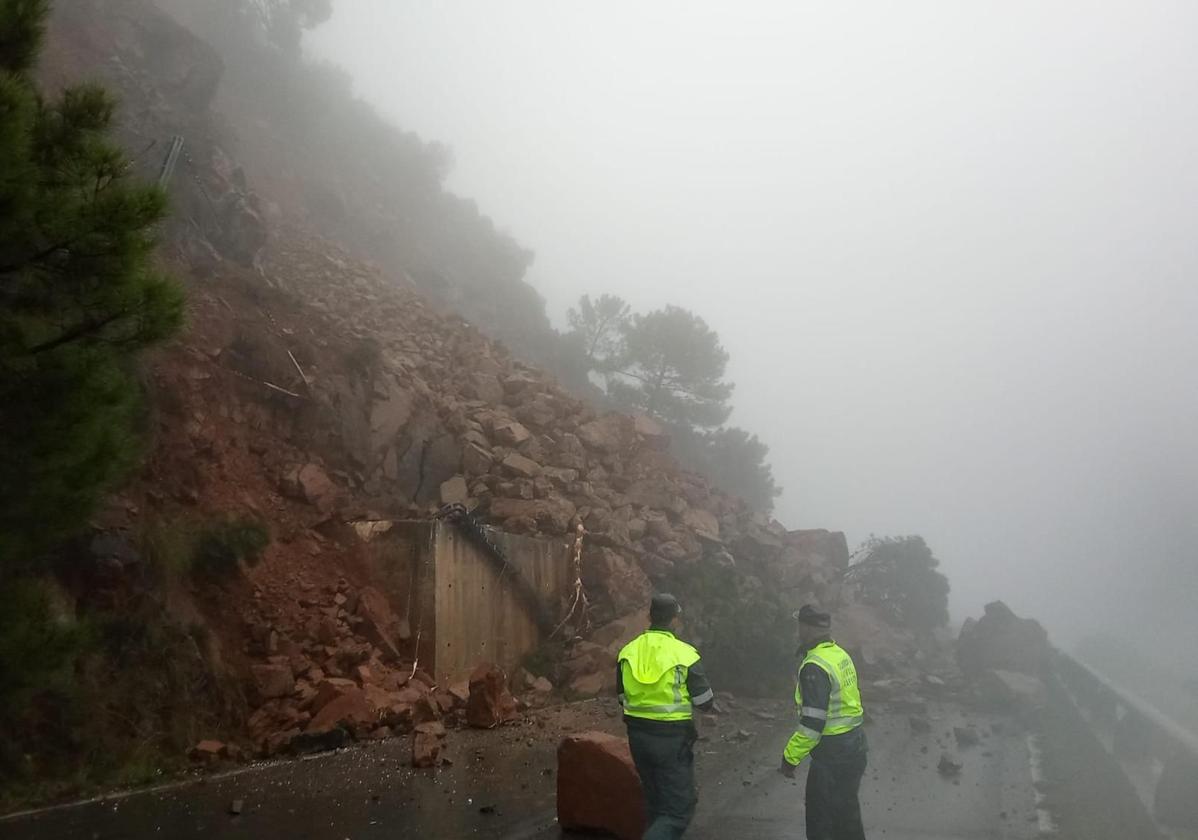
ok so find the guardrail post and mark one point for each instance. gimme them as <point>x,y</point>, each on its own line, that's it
<point>1132,736</point>
<point>1176,802</point>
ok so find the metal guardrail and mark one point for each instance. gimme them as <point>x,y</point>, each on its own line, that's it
<point>1158,755</point>
<point>170,161</point>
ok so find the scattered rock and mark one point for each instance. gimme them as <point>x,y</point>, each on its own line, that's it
<point>380,623</point>
<point>350,709</point>
<point>454,491</point>
<point>651,432</point>
<point>272,680</point>
<point>311,484</point>
<point>588,685</point>
<point>209,752</point>
<point>427,744</point>
<point>947,767</point>
<point>490,703</point>
<point>517,465</point>
<point>510,433</point>
<point>966,736</point>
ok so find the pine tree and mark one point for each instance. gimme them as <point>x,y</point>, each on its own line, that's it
<point>597,329</point>
<point>80,297</point>
<point>672,368</point>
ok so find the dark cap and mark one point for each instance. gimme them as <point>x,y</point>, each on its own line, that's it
<point>663,607</point>
<point>812,617</point>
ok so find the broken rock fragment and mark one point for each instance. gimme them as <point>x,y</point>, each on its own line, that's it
<point>490,702</point>
<point>350,709</point>
<point>273,680</point>
<point>208,751</point>
<point>427,744</point>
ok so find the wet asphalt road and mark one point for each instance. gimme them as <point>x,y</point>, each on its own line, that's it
<point>501,785</point>
<point>903,795</point>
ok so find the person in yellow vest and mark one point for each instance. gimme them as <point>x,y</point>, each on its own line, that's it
<point>830,718</point>
<point>660,680</point>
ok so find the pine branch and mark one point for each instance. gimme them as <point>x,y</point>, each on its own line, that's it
<point>83,330</point>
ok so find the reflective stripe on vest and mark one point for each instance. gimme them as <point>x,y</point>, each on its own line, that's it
<point>657,653</point>
<point>844,703</point>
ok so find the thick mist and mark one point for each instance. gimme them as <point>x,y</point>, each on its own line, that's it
<point>949,246</point>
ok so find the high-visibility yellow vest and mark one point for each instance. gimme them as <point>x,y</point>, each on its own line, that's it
<point>844,703</point>
<point>654,666</point>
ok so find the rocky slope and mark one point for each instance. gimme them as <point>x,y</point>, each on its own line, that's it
<point>313,389</point>
<point>320,392</point>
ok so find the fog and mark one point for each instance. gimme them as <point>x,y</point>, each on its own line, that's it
<point>950,247</point>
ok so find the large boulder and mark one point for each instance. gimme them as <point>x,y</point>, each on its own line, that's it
<point>1002,640</point>
<point>454,491</point>
<point>520,467</point>
<point>552,516</point>
<point>485,387</point>
<point>273,680</point>
<point>616,576</point>
<point>597,786</point>
<point>610,434</point>
<point>349,710</point>
<point>311,484</point>
<point>490,703</point>
<point>820,547</point>
<point>570,452</point>
<point>650,432</point>
<point>510,433</point>
<point>702,523</point>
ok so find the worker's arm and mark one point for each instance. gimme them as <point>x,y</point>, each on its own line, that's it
<point>699,688</point>
<point>620,682</point>
<point>815,689</point>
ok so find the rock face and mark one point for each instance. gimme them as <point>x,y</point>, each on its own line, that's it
<point>1004,641</point>
<point>490,703</point>
<point>597,786</point>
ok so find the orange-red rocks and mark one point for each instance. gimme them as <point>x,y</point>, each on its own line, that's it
<point>597,786</point>
<point>490,703</point>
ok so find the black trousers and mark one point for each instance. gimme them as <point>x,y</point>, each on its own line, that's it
<point>833,783</point>
<point>665,760</point>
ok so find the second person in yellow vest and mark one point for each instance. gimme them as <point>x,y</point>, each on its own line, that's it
<point>828,698</point>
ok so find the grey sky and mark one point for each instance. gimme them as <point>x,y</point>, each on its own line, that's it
<point>950,246</point>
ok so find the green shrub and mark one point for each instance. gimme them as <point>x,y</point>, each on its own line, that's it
<point>220,548</point>
<point>80,298</point>
<point>212,551</point>
<point>37,646</point>
<point>741,626</point>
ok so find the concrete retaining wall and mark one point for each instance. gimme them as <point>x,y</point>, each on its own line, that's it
<point>462,606</point>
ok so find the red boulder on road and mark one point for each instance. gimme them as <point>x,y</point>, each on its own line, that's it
<point>597,786</point>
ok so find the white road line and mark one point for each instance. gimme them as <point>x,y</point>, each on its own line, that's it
<point>165,786</point>
<point>1045,822</point>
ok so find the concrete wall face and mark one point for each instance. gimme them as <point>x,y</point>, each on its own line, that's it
<point>460,604</point>
<point>487,613</point>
